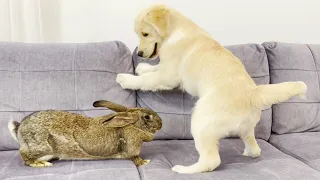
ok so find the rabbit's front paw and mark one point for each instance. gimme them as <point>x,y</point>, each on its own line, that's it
<point>127,81</point>
<point>138,161</point>
<point>146,161</point>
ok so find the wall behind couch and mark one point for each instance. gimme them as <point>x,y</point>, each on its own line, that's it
<point>228,21</point>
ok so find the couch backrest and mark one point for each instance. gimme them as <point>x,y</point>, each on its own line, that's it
<point>59,76</point>
<point>295,62</point>
<point>176,106</point>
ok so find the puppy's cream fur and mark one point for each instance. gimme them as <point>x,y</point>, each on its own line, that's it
<point>229,100</point>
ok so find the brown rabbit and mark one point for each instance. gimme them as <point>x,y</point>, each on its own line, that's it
<point>47,135</point>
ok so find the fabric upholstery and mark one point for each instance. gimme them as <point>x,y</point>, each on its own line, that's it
<point>272,164</point>
<point>12,167</point>
<point>295,62</point>
<point>303,146</point>
<point>176,106</point>
<point>59,76</point>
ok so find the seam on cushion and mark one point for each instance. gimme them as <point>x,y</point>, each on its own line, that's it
<point>84,70</point>
<point>134,73</point>
<point>71,173</point>
<point>159,97</point>
<point>140,172</point>
<point>262,76</point>
<point>167,160</point>
<point>315,118</point>
<point>58,109</point>
<point>269,82</point>
<point>133,69</point>
<point>183,117</point>
<point>138,96</point>
<point>315,66</point>
<point>284,150</point>
<point>128,53</point>
<point>298,102</point>
<point>189,151</point>
<point>295,70</point>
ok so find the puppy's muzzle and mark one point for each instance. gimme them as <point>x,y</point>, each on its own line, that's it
<point>140,53</point>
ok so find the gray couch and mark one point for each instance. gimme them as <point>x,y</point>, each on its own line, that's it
<point>72,76</point>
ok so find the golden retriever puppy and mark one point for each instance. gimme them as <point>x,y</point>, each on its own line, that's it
<point>229,100</point>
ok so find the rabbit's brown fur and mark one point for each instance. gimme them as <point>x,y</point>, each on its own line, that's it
<point>51,134</point>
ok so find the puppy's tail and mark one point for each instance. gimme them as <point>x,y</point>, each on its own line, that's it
<point>266,95</point>
<point>13,129</point>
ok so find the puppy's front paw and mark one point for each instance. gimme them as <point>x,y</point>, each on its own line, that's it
<point>127,81</point>
<point>143,68</point>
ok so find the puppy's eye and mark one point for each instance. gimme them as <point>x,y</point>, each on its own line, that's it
<point>145,34</point>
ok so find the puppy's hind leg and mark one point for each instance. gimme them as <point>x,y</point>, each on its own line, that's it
<point>209,156</point>
<point>251,146</point>
<point>206,143</point>
<point>247,135</point>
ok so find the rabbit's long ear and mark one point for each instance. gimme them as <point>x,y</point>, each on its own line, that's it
<point>120,120</point>
<point>110,105</point>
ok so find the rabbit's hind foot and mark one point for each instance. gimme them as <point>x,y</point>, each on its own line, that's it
<point>138,161</point>
<point>39,164</point>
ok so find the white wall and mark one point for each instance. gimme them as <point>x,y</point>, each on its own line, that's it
<point>228,21</point>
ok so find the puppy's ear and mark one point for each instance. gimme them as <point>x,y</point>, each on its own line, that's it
<point>158,18</point>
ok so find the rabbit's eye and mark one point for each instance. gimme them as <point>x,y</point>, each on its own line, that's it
<point>147,117</point>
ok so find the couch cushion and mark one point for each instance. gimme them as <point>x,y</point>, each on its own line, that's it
<point>12,167</point>
<point>272,164</point>
<point>295,62</point>
<point>59,76</point>
<point>303,146</point>
<point>175,106</point>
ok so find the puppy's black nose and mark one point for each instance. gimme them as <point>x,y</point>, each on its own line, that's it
<point>140,53</point>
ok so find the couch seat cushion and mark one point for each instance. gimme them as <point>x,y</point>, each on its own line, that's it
<point>12,167</point>
<point>272,164</point>
<point>303,146</point>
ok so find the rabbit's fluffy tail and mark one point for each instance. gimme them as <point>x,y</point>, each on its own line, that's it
<point>266,95</point>
<point>13,129</point>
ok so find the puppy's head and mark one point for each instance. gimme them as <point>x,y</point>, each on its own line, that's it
<point>152,28</point>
